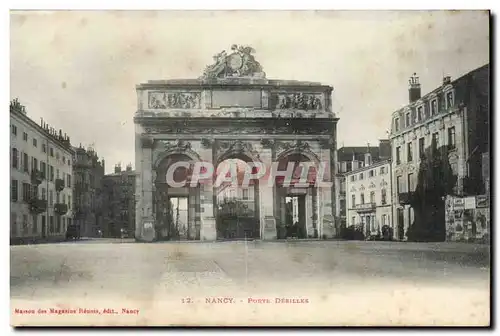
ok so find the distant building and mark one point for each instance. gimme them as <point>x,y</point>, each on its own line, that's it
<point>456,116</point>
<point>353,158</point>
<point>88,172</point>
<point>41,183</point>
<point>118,199</point>
<point>368,194</point>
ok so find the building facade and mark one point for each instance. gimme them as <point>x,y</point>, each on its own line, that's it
<point>233,112</point>
<point>41,179</point>
<point>118,202</point>
<point>368,195</point>
<point>455,117</point>
<point>88,172</point>
<point>353,158</point>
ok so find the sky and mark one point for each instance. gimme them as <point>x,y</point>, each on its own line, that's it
<point>78,70</point>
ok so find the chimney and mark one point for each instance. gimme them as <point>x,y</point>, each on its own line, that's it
<point>118,168</point>
<point>384,149</point>
<point>129,167</point>
<point>414,88</point>
<point>368,156</point>
<point>446,80</point>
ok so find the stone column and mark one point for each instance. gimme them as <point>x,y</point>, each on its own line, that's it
<point>145,229</point>
<point>208,230</point>
<point>266,200</point>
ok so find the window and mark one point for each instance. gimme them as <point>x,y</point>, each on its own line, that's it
<point>245,193</point>
<point>353,220</point>
<point>69,180</point>
<point>35,142</point>
<point>51,224</point>
<point>57,155</point>
<point>26,192</point>
<point>51,173</point>
<point>51,197</point>
<point>384,220</point>
<point>398,155</point>
<point>25,136</point>
<point>433,107</point>
<point>410,152</point>
<point>383,197</point>
<point>411,185</point>
<point>449,99</point>
<point>57,173</point>
<point>15,158</point>
<point>51,151</point>
<point>64,199</point>
<point>352,178</point>
<point>64,159</point>
<point>435,140</point>
<point>44,148</point>
<point>353,199</point>
<point>420,113</point>
<point>13,129</point>
<point>372,197</point>
<point>399,186</point>
<point>35,224</point>
<point>13,224</point>
<point>43,168</point>
<point>408,120</point>
<point>69,202</point>
<point>44,194</point>
<point>14,196</point>
<point>396,124</point>
<point>371,173</point>
<point>362,198</point>
<point>421,147</point>
<point>348,166</point>
<point>25,163</point>
<point>382,170</point>
<point>34,165</point>
<point>451,137</point>
<point>361,176</point>
<point>25,224</point>
<point>34,191</point>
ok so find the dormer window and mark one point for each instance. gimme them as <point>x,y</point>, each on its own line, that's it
<point>420,113</point>
<point>396,124</point>
<point>434,104</point>
<point>408,119</point>
<point>449,99</point>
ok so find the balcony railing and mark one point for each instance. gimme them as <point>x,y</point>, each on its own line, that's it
<point>365,207</point>
<point>61,208</point>
<point>36,177</point>
<point>37,206</point>
<point>59,184</point>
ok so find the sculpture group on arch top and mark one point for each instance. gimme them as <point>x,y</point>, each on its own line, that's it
<point>241,63</point>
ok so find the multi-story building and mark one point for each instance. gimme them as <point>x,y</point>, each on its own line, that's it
<point>353,158</point>
<point>41,183</point>
<point>88,172</point>
<point>454,116</point>
<point>368,194</point>
<point>118,202</point>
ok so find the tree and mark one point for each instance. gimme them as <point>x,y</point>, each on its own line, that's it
<point>435,181</point>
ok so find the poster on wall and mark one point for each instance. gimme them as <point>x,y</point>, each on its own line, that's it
<point>482,201</point>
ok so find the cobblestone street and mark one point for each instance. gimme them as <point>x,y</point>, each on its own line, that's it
<point>390,282</point>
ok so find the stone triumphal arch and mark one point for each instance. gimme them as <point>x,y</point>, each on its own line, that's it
<point>233,112</point>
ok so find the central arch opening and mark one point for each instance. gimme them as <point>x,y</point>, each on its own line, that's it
<point>297,202</point>
<point>237,202</point>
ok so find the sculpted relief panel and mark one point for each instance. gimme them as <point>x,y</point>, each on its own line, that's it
<point>166,100</point>
<point>300,101</point>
